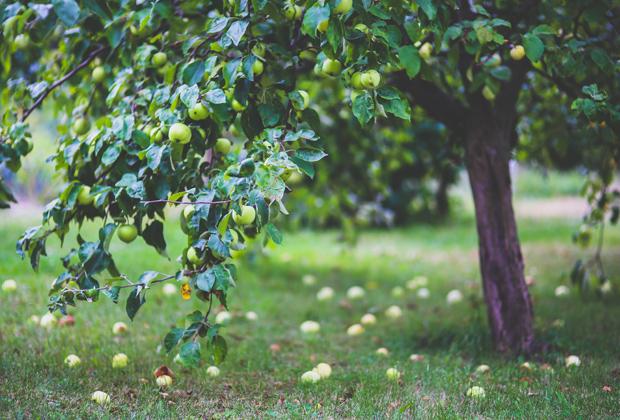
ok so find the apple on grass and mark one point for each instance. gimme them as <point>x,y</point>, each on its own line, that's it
<point>48,321</point>
<point>326,293</point>
<point>324,370</point>
<point>163,381</point>
<point>100,398</point>
<point>356,292</point>
<point>355,330</point>
<point>223,317</point>
<point>119,328</point>
<point>394,312</point>
<point>213,371</point>
<point>310,327</point>
<point>9,286</point>
<point>119,361</point>
<point>382,351</point>
<point>251,316</point>
<point>310,377</point>
<point>308,280</point>
<point>72,360</point>
<point>392,374</point>
<point>476,392</point>
<point>368,319</point>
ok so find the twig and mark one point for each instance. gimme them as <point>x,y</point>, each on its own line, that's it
<point>62,80</point>
<point>184,202</point>
<point>108,287</point>
<point>205,319</point>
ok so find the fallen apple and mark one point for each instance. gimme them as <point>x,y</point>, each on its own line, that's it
<point>100,398</point>
<point>368,319</point>
<point>394,312</point>
<point>163,381</point>
<point>310,327</point>
<point>325,293</point>
<point>355,292</point>
<point>310,377</point>
<point>476,392</point>
<point>213,371</point>
<point>120,361</point>
<point>324,370</point>
<point>382,351</point>
<point>454,296</point>
<point>392,374</point>
<point>48,321</point>
<point>119,328</point>
<point>72,360</point>
<point>355,330</point>
<point>9,286</point>
<point>251,316</point>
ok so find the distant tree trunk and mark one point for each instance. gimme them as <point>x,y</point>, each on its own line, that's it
<point>507,297</point>
<point>442,202</point>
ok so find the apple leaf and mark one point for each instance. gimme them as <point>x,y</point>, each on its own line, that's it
<point>410,60</point>
<point>135,300</point>
<point>534,47</point>
<point>190,354</point>
<point>364,108</point>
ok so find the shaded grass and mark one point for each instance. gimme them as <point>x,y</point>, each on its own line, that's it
<point>257,382</point>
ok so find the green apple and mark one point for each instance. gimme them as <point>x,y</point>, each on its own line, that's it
<point>247,216</point>
<point>9,286</point>
<point>292,11</point>
<point>222,145</point>
<point>361,27</point>
<point>343,7</point>
<point>488,94</point>
<point>356,80</point>
<point>180,133</point>
<point>237,106</point>
<point>494,61</point>
<point>306,100</point>
<point>21,41</point>
<point>331,67</point>
<point>322,26</point>
<point>81,126</point>
<point>258,67</point>
<point>159,59</point>
<point>392,374</point>
<point>426,50</point>
<point>185,215</point>
<point>259,49</point>
<point>198,112</point>
<point>163,381</point>
<point>193,256</point>
<point>98,74</point>
<point>84,198</point>
<point>156,135</point>
<point>370,79</point>
<point>307,55</point>
<point>119,361</point>
<point>127,233</point>
<point>517,52</point>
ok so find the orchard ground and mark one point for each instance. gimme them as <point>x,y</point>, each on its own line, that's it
<point>261,376</point>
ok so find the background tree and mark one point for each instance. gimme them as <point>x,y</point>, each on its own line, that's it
<point>145,92</point>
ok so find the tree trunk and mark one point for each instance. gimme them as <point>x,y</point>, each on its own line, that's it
<point>442,201</point>
<point>507,297</point>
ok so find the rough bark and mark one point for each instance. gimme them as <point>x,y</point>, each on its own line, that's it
<point>507,297</point>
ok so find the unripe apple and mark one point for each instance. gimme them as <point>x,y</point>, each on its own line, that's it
<point>324,370</point>
<point>423,293</point>
<point>416,358</point>
<point>100,398</point>
<point>393,312</point>
<point>127,233</point>
<point>84,198</point>
<point>392,374</point>
<point>119,361</point>
<point>310,327</point>
<point>323,25</point>
<point>326,293</point>
<point>370,79</point>
<point>163,381</point>
<point>426,50</point>
<point>247,216</point>
<point>343,7</point>
<point>476,392</point>
<point>356,80</point>
<point>483,369</point>
<point>355,330</point>
<point>179,132</point>
<point>488,94</point>
<point>237,106</point>
<point>258,67</point>
<point>198,112</point>
<point>382,351</point>
<point>308,280</point>
<point>292,11</point>
<point>251,316</point>
<point>21,41</point>
<point>81,126</point>
<point>119,328</point>
<point>398,292</point>
<point>572,360</point>
<point>310,377</point>
<point>9,286</point>
<point>454,296</point>
<point>72,360</point>
<point>98,74</point>
<point>222,145</point>
<point>48,321</point>
<point>368,319</point>
<point>193,256</point>
<point>517,52</point>
<point>306,100</point>
<point>213,371</point>
<point>355,292</point>
<point>331,67</point>
<point>156,135</point>
<point>259,49</point>
<point>159,59</point>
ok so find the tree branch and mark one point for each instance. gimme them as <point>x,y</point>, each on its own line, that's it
<point>62,80</point>
<point>437,103</point>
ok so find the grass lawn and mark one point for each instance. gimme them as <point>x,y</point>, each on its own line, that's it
<point>257,381</point>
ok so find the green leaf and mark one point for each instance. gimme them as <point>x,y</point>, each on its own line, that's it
<point>172,338</point>
<point>310,155</point>
<point>400,108</point>
<point>410,60</point>
<point>274,233</point>
<point>428,7</point>
<point>534,47</point>
<point>237,30</point>
<point>501,73</point>
<point>67,10</point>
<point>135,300</point>
<point>364,108</point>
<point>190,354</point>
<point>153,235</point>
<point>193,72</point>
<point>313,16</point>
<point>220,349</point>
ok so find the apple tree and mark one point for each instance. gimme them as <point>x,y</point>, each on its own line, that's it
<point>205,106</point>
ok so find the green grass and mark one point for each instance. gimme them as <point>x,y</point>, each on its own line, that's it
<point>534,183</point>
<point>256,382</point>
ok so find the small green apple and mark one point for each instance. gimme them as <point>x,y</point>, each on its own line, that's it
<point>119,361</point>
<point>213,371</point>
<point>179,132</point>
<point>159,59</point>
<point>322,26</point>
<point>292,11</point>
<point>164,381</point>
<point>84,198</point>
<point>21,41</point>
<point>222,145</point>
<point>356,80</point>
<point>237,106</point>
<point>306,100</point>
<point>392,374</point>
<point>343,7</point>
<point>370,79</point>
<point>310,377</point>
<point>331,66</point>
<point>98,74</point>
<point>259,49</point>
<point>425,51</point>
<point>247,216</point>
<point>127,233</point>
<point>156,135</point>
<point>100,398</point>
<point>72,360</point>
<point>9,286</point>
<point>198,112</point>
<point>81,126</point>
<point>488,94</point>
<point>361,27</point>
<point>517,52</point>
<point>258,67</point>
<point>193,256</point>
